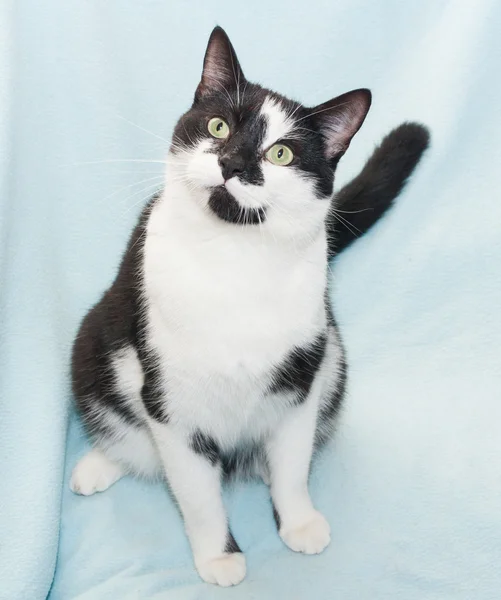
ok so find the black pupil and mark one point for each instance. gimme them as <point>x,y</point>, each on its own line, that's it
<point>219,126</point>
<point>280,153</point>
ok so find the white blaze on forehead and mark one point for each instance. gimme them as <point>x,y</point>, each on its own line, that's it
<point>278,122</point>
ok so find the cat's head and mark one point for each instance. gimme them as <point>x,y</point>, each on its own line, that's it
<point>253,157</point>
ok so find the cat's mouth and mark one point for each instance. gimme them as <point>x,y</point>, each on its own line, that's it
<point>225,206</point>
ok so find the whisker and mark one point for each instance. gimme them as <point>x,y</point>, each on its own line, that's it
<point>148,188</point>
<point>185,130</point>
<point>113,160</point>
<point>243,93</point>
<point>317,112</point>
<point>237,79</point>
<point>126,187</point>
<point>140,201</point>
<point>142,129</point>
<point>141,172</point>
<point>349,225</point>
<point>223,88</point>
<point>352,211</point>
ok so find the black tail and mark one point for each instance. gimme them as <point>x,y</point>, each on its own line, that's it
<point>365,199</point>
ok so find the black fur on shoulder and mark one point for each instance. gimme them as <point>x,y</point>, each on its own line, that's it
<point>366,198</point>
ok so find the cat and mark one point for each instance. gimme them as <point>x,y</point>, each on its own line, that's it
<point>215,351</point>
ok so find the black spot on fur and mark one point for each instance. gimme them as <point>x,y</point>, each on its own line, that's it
<point>206,446</point>
<point>222,203</point>
<point>330,410</point>
<point>153,392</point>
<point>297,372</point>
<point>331,406</point>
<point>231,544</point>
<point>243,460</point>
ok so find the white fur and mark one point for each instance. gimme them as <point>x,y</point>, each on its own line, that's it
<point>230,340</point>
<point>196,484</point>
<point>279,122</point>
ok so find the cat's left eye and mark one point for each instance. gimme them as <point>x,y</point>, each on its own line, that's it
<point>280,155</point>
<point>218,128</point>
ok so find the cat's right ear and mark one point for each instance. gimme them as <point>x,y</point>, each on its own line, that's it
<point>222,71</point>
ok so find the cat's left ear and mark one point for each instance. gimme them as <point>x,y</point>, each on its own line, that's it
<point>340,119</point>
<point>222,71</point>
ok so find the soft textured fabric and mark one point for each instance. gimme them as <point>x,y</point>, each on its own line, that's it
<point>411,484</point>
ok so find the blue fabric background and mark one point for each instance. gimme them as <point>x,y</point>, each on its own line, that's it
<point>412,483</point>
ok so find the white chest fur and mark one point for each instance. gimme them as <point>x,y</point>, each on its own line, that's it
<point>225,305</point>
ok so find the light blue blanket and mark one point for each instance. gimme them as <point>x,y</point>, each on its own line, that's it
<point>412,483</point>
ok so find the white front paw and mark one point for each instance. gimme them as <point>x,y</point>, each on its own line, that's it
<point>225,570</point>
<point>94,473</point>
<point>310,537</point>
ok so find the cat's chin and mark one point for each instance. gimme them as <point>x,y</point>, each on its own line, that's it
<point>227,208</point>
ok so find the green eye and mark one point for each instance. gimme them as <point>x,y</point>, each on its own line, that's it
<point>218,128</point>
<point>280,155</point>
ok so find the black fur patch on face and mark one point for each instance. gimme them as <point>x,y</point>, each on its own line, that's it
<point>206,446</point>
<point>298,370</point>
<point>222,203</point>
<point>240,110</point>
<point>231,544</point>
<point>241,149</point>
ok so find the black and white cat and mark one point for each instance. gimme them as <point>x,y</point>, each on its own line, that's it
<point>215,351</point>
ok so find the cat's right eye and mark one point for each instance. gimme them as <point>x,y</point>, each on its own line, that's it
<point>218,128</point>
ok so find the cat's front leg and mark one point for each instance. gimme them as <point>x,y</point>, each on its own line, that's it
<point>290,449</point>
<point>193,469</point>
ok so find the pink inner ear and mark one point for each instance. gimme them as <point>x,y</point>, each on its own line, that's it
<point>215,75</point>
<point>335,130</point>
<point>341,118</point>
<point>221,67</point>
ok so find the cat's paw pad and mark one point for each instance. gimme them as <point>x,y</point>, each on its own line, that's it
<point>94,473</point>
<point>226,570</point>
<point>312,537</point>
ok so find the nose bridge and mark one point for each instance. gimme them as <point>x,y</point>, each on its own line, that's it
<point>232,152</point>
<point>235,156</point>
<point>238,156</point>
<point>236,145</point>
